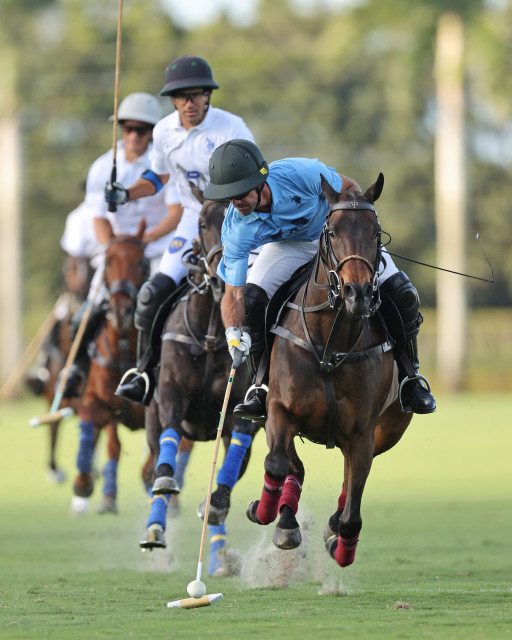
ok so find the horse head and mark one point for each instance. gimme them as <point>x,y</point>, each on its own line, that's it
<point>126,268</point>
<point>350,246</point>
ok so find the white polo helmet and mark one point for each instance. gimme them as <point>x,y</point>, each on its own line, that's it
<point>142,107</point>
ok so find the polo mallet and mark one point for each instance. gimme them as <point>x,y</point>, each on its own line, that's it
<point>56,414</point>
<point>197,589</point>
<point>112,207</point>
<point>33,348</point>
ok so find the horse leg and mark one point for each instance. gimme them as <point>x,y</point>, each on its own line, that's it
<point>109,502</point>
<point>169,411</point>
<point>332,525</point>
<point>265,510</point>
<point>154,537</point>
<point>83,485</point>
<point>233,467</point>
<point>287,532</point>
<point>54,473</point>
<point>358,461</point>
<point>182,460</point>
<point>147,472</point>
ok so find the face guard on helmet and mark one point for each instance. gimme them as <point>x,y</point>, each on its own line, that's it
<point>236,167</point>
<point>186,72</point>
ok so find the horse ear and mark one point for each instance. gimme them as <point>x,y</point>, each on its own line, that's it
<point>373,193</point>
<point>141,229</point>
<point>198,194</point>
<point>331,194</point>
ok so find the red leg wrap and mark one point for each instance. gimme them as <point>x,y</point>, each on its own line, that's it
<point>346,550</point>
<point>269,502</point>
<point>342,499</point>
<point>291,493</point>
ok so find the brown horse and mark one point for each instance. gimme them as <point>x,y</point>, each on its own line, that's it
<point>115,352</point>
<point>194,370</point>
<point>332,375</point>
<point>42,380</point>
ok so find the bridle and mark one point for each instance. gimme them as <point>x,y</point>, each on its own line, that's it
<point>332,265</point>
<point>123,285</point>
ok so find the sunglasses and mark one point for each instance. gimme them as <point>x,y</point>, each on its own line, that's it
<point>183,98</point>
<point>241,196</point>
<point>140,131</point>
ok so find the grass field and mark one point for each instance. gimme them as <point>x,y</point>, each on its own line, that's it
<point>434,560</point>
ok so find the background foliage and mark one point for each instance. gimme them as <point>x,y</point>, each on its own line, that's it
<point>354,87</point>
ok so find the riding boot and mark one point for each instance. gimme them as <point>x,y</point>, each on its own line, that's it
<point>254,406</point>
<point>154,303</point>
<point>414,393</point>
<point>79,369</point>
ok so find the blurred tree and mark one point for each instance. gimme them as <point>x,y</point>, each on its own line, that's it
<point>353,87</point>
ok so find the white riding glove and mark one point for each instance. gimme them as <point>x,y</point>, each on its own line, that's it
<point>238,340</point>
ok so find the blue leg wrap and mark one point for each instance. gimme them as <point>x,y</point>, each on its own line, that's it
<point>181,465</point>
<point>217,542</point>
<point>110,478</point>
<point>85,447</point>
<point>169,443</point>
<point>158,510</point>
<point>237,449</point>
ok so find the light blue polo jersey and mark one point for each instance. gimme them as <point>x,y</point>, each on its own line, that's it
<point>298,212</point>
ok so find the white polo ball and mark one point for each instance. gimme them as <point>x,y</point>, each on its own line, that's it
<point>196,589</point>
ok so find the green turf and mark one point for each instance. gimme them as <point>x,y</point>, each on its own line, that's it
<point>434,560</point>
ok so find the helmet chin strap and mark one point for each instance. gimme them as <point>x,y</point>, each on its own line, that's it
<point>259,191</point>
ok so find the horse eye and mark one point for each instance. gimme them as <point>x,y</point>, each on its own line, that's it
<point>331,233</point>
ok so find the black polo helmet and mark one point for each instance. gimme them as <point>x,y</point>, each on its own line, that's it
<point>236,167</point>
<point>188,71</point>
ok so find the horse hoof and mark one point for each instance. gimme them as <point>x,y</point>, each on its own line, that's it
<point>224,562</point>
<point>216,515</point>
<point>287,538</point>
<point>165,485</point>
<point>83,490</point>
<point>107,505</point>
<point>153,538</point>
<point>331,543</point>
<point>56,476</point>
<point>328,532</point>
<point>251,511</point>
<point>79,506</point>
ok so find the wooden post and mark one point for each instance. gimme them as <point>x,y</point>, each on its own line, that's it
<point>450,201</point>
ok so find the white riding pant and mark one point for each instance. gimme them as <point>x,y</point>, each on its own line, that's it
<point>277,261</point>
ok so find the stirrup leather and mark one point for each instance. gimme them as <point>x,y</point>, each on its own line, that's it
<point>135,372</point>
<point>407,379</point>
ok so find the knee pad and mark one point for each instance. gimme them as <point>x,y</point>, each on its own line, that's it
<point>403,293</point>
<point>256,300</point>
<point>151,296</point>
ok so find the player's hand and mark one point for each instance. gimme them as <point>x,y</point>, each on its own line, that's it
<point>115,193</point>
<point>238,341</point>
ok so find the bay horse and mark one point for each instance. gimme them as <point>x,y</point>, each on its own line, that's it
<point>194,369</point>
<point>126,269</point>
<point>333,379</point>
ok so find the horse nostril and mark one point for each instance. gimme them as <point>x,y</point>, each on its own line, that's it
<point>348,292</point>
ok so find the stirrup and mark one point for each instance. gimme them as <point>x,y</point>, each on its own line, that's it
<point>135,372</point>
<point>254,387</point>
<point>418,377</point>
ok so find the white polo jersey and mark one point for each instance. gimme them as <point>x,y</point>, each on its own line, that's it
<point>185,155</point>
<point>127,218</point>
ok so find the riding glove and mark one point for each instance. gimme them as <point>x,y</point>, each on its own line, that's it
<point>238,340</point>
<point>115,193</point>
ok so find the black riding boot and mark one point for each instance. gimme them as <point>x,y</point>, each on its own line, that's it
<point>254,406</point>
<point>154,303</point>
<point>415,395</point>
<point>79,370</point>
